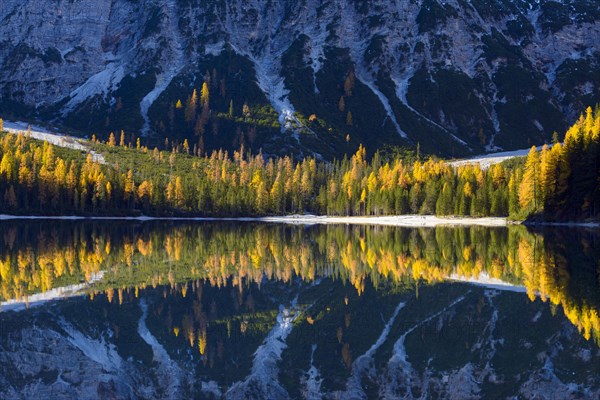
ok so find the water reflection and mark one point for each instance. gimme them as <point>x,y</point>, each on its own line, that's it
<point>558,266</point>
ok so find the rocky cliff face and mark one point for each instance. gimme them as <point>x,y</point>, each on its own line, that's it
<point>456,76</point>
<point>456,342</point>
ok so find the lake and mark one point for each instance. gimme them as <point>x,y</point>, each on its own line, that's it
<point>110,309</point>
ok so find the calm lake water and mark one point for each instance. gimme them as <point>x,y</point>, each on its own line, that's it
<point>247,310</point>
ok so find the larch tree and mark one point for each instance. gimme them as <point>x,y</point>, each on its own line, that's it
<point>548,161</point>
<point>529,189</point>
<point>144,193</point>
<point>204,95</point>
<point>7,166</point>
<point>178,193</point>
<point>129,189</point>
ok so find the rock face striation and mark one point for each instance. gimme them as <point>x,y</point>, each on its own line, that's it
<point>456,76</point>
<point>465,346</point>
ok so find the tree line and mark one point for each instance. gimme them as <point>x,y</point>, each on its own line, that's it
<point>36,177</point>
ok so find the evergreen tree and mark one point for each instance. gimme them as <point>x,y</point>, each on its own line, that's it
<point>190,107</point>
<point>349,84</point>
<point>529,188</point>
<point>204,95</point>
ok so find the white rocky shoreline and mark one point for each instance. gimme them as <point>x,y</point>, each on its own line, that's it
<point>408,220</point>
<point>396,220</point>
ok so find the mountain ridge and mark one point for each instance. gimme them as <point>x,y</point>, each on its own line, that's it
<point>457,77</point>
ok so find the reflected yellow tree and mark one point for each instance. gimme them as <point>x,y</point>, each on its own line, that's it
<point>34,259</point>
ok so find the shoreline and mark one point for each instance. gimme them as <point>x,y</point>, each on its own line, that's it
<point>408,220</point>
<point>57,294</point>
<point>42,298</point>
<point>399,220</point>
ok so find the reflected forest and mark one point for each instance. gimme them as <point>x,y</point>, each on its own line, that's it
<point>184,258</point>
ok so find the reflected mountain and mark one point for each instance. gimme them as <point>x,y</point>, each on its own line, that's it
<point>231,310</point>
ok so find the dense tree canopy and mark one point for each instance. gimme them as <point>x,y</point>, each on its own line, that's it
<point>36,177</point>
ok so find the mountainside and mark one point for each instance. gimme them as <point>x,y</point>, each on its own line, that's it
<point>304,77</point>
<point>453,346</point>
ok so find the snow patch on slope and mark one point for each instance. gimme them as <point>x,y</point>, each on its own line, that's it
<point>211,388</point>
<point>263,379</point>
<point>101,83</point>
<point>485,280</point>
<point>364,364</point>
<point>55,294</point>
<point>168,372</point>
<point>96,350</point>
<point>214,49</point>
<point>40,133</point>
<point>400,374</point>
<point>386,105</point>
<point>270,81</point>
<point>312,380</point>
<point>491,146</point>
<point>401,92</point>
<point>173,67</point>
<point>262,43</point>
<point>358,47</point>
<point>487,160</point>
<point>318,38</point>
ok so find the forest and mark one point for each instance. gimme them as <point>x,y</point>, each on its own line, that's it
<point>559,182</point>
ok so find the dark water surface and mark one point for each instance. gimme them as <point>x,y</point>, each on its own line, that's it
<point>245,310</point>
